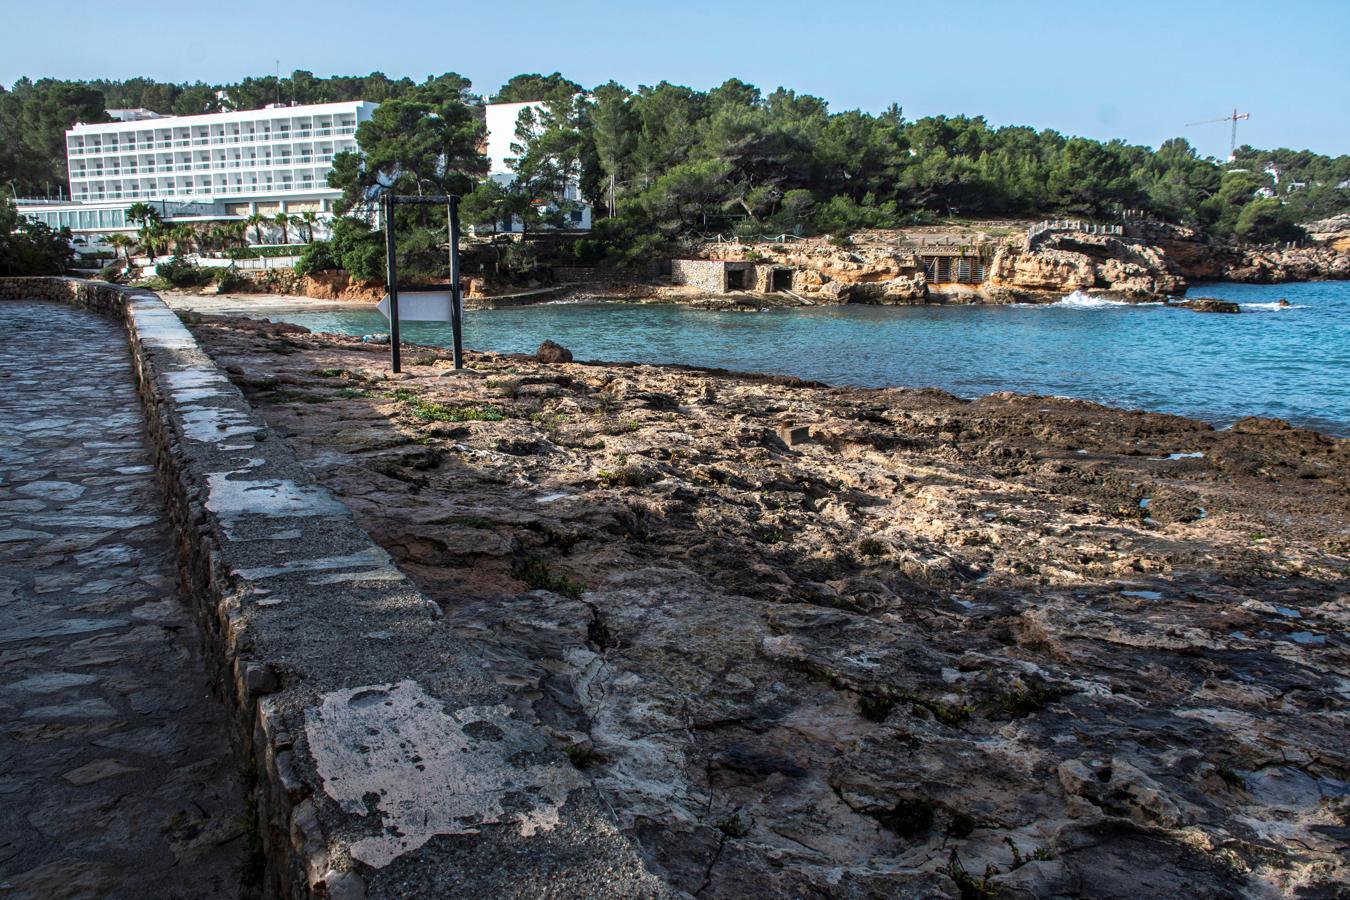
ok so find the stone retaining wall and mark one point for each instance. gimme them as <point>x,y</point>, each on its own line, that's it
<point>385,764</point>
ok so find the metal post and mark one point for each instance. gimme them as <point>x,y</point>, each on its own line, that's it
<point>456,301</point>
<point>391,278</point>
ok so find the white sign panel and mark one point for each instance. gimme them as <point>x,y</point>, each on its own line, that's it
<point>420,306</point>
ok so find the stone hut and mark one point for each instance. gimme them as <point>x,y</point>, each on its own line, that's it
<point>722,276</point>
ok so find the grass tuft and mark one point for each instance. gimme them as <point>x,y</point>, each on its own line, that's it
<point>430,411</point>
<point>536,573</point>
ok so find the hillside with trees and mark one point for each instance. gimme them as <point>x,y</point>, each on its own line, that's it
<point>662,161</point>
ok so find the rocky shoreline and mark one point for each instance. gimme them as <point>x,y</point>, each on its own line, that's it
<point>1146,262</point>
<point>847,643</point>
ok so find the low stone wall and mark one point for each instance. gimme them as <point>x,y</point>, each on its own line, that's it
<point>706,275</point>
<point>713,276</point>
<point>385,764</point>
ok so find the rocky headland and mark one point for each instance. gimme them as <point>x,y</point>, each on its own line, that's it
<point>1144,261</point>
<point>808,641</point>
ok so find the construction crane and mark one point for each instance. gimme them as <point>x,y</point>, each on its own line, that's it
<point>1233,117</point>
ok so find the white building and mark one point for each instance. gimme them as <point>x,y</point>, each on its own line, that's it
<point>278,154</point>
<point>110,217</point>
<point>502,120</point>
<point>135,114</point>
<point>227,166</point>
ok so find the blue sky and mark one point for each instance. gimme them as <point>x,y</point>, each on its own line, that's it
<point>1135,69</point>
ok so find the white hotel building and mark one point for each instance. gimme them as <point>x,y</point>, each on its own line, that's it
<point>226,166</point>
<point>215,166</point>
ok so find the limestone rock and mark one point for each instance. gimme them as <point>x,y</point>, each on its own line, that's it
<point>551,352</point>
<point>1211,305</point>
<point>942,624</point>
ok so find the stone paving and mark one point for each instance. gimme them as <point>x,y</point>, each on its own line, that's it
<point>116,776</point>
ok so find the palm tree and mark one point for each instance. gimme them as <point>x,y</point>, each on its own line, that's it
<point>153,240</point>
<point>307,220</point>
<point>283,222</point>
<point>182,237</point>
<point>238,233</point>
<point>142,214</point>
<point>123,242</point>
<point>220,236</point>
<point>256,221</point>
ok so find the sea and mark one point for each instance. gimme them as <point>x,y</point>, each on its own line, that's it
<point>1288,362</point>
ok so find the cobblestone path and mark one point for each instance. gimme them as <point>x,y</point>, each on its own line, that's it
<point>116,778</point>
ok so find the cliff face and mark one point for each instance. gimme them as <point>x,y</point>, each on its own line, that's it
<point>827,274</point>
<point>1070,262</point>
<point>1272,266</point>
<point>1015,271</point>
<point>1154,261</point>
<point>1334,232</point>
<point>1199,257</point>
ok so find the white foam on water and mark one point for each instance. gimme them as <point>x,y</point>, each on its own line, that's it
<point>1084,300</point>
<point>1271,307</point>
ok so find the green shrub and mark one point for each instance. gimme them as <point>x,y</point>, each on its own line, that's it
<point>358,249</point>
<point>181,273</point>
<point>229,279</point>
<point>317,257</point>
<point>29,247</point>
<point>843,215</point>
<point>586,251</point>
<point>354,248</point>
<point>1266,220</point>
<point>112,273</point>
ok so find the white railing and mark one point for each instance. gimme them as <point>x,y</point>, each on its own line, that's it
<point>1074,225</point>
<point>135,148</point>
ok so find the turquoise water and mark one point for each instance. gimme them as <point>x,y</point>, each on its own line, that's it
<point>1288,363</point>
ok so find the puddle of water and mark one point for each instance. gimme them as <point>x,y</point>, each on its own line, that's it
<point>1291,613</point>
<point>1308,638</point>
<point>1143,595</point>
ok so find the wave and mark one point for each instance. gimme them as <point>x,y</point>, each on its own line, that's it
<point>1271,307</point>
<point>1084,300</point>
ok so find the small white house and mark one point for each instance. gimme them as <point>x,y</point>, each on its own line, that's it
<point>503,120</point>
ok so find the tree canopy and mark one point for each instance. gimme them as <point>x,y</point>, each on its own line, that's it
<point>666,158</point>
<point>28,247</point>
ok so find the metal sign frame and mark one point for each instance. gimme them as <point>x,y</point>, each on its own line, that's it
<point>389,202</point>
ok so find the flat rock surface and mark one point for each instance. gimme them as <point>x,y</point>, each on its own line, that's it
<point>932,648</point>
<point>116,776</point>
